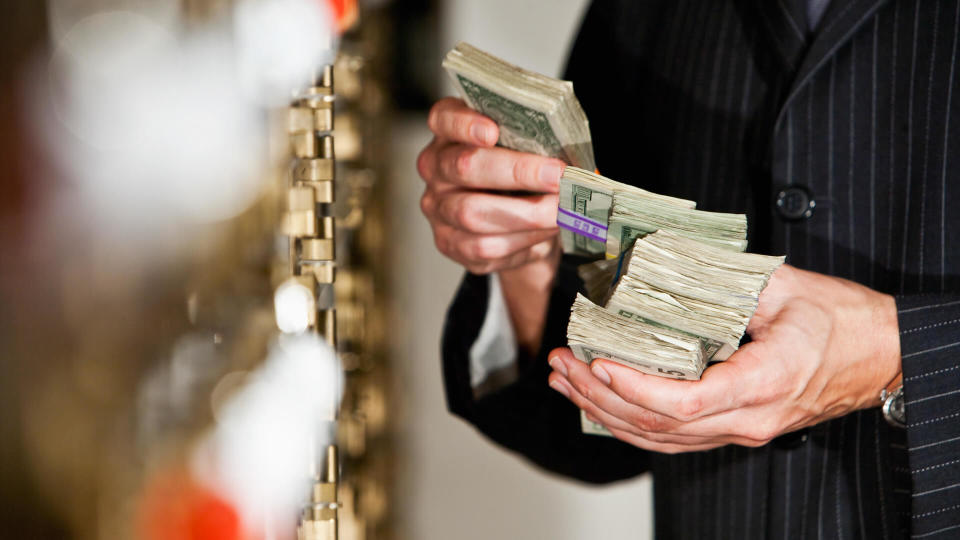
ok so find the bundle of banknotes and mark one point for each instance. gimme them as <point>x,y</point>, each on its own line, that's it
<point>536,113</point>
<point>667,307</point>
<point>541,115</point>
<point>684,303</point>
<point>675,290</point>
<point>598,215</point>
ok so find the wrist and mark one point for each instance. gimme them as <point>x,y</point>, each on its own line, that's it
<point>526,291</point>
<point>888,339</point>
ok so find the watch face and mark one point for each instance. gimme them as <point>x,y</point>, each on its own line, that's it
<point>897,409</point>
<point>894,410</point>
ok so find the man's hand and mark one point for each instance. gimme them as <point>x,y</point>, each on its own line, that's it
<point>493,210</point>
<point>822,347</point>
<point>481,229</point>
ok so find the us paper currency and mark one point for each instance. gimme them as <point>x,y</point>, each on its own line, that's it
<point>536,113</point>
<point>592,428</point>
<point>671,305</point>
<point>541,115</point>
<point>602,216</point>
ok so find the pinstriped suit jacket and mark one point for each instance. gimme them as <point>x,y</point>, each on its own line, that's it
<point>727,102</point>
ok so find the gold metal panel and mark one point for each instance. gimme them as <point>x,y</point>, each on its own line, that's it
<point>314,170</point>
<point>324,191</point>
<point>303,223</point>
<point>312,144</point>
<point>301,199</point>
<point>316,249</point>
<point>305,118</point>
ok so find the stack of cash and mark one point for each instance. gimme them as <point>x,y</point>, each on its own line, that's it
<point>674,305</point>
<point>536,113</point>
<point>682,295</point>
<point>541,115</point>
<point>599,215</point>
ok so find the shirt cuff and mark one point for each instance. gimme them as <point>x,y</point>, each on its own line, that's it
<point>493,356</point>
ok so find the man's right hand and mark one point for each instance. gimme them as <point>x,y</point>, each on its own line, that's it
<point>481,222</point>
<point>471,199</point>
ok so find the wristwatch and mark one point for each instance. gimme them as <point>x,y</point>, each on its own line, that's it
<point>893,409</point>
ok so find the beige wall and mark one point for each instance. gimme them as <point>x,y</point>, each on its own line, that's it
<point>452,483</point>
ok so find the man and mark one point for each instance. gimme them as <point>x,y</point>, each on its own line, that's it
<point>832,128</point>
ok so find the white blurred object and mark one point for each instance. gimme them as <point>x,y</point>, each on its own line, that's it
<point>159,125</point>
<point>280,45</point>
<point>262,444</point>
<point>293,304</point>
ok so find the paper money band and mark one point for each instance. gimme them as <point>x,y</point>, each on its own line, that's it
<point>581,225</point>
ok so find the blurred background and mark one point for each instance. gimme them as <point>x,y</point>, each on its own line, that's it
<point>220,306</point>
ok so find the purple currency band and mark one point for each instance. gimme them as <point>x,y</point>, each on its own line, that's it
<point>581,225</point>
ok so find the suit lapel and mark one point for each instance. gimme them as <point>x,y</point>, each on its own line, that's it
<point>783,25</point>
<point>840,22</point>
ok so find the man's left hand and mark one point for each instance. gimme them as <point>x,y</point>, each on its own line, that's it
<point>821,347</point>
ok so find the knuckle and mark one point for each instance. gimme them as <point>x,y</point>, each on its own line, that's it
<point>427,203</point>
<point>689,408</point>
<point>460,125</point>
<point>471,250</point>
<point>524,171</point>
<point>763,394</point>
<point>760,432</point>
<point>648,421</point>
<point>424,164</point>
<point>463,164</point>
<point>467,215</point>
<point>584,390</point>
<point>487,248</point>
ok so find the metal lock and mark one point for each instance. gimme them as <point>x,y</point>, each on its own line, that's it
<point>316,249</point>
<point>312,144</point>
<point>301,223</point>
<point>303,118</point>
<point>315,169</point>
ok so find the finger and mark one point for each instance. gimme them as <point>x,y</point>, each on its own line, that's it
<point>746,427</point>
<point>450,118</point>
<point>482,254</point>
<point>663,448</point>
<point>722,387</point>
<point>753,427</point>
<point>557,381</point>
<point>730,428</point>
<point>481,248</point>
<point>595,391</point>
<point>427,160</point>
<point>497,168</point>
<point>562,385</point>
<point>488,213</point>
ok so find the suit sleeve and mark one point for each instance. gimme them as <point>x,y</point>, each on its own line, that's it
<point>930,352</point>
<point>527,416</point>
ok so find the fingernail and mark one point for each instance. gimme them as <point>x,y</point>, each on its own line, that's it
<point>560,388</point>
<point>550,174</point>
<point>591,418</point>
<point>600,373</point>
<point>557,364</point>
<point>482,134</point>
